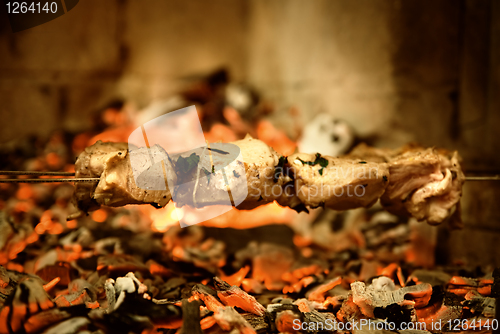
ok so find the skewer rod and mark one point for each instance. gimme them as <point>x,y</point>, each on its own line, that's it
<point>33,173</point>
<point>483,178</point>
<point>94,179</point>
<point>13,172</point>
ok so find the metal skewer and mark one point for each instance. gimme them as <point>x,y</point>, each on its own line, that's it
<point>96,179</point>
<point>89,179</point>
<point>483,178</point>
<point>15,172</point>
<point>43,180</point>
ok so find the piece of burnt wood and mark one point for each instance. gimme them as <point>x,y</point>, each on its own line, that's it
<point>136,314</point>
<point>208,296</point>
<point>4,278</point>
<point>119,264</point>
<point>349,310</point>
<point>191,317</point>
<point>462,285</point>
<point>369,298</point>
<point>234,296</point>
<point>171,289</point>
<point>228,319</point>
<point>43,319</point>
<point>443,314</point>
<point>318,293</point>
<point>479,305</point>
<point>280,313</point>
<point>156,268</point>
<point>62,270</point>
<point>6,285</point>
<point>75,298</point>
<point>312,315</point>
<point>28,298</point>
<point>285,321</point>
<point>259,323</point>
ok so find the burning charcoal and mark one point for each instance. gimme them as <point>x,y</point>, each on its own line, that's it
<point>43,319</point>
<point>119,264</point>
<point>9,280</point>
<point>258,323</point>
<point>79,284</point>
<point>285,321</point>
<point>70,326</point>
<point>79,292</point>
<point>76,298</point>
<point>479,305</point>
<point>207,322</point>
<point>171,289</point>
<point>136,314</point>
<point>281,314</point>
<point>190,317</point>
<point>29,297</point>
<point>208,296</point>
<point>309,309</point>
<point>62,270</point>
<point>443,314</point>
<point>237,277</point>
<point>318,293</point>
<point>4,278</point>
<point>433,277</point>
<point>52,284</point>
<point>157,269</point>
<point>462,285</point>
<point>228,319</point>
<point>334,302</point>
<point>349,311</point>
<point>305,305</point>
<point>234,296</point>
<point>298,286</point>
<point>381,295</point>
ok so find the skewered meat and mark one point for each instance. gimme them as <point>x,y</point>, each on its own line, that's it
<point>117,186</point>
<point>250,178</point>
<point>111,163</point>
<point>337,183</point>
<point>91,163</point>
<point>424,183</point>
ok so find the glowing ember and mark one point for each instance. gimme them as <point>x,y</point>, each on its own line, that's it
<point>100,215</point>
<point>48,223</point>
<point>164,218</point>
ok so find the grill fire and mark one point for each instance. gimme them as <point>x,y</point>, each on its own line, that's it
<point>268,270</point>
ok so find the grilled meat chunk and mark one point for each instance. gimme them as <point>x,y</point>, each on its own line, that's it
<point>337,183</point>
<point>424,183</point>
